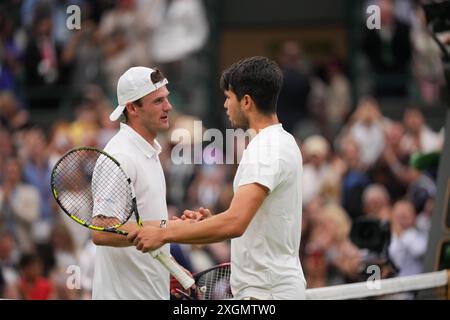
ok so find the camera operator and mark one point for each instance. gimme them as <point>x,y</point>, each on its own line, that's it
<point>396,246</point>
<point>372,236</point>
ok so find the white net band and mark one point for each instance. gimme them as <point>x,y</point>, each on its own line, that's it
<point>384,287</point>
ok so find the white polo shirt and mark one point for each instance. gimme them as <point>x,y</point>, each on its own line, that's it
<point>265,260</point>
<point>126,273</point>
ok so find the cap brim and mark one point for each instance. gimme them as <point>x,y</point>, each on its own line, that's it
<point>116,113</point>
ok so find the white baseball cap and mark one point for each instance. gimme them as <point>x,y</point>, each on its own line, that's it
<point>133,85</point>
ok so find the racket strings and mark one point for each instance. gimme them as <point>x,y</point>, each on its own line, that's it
<point>215,284</point>
<point>93,188</point>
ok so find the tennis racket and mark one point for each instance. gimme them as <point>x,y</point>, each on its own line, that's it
<point>92,188</point>
<point>211,284</point>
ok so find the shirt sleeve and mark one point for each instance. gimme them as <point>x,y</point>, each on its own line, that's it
<point>262,165</point>
<point>415,242</point>
<point>110,188</point>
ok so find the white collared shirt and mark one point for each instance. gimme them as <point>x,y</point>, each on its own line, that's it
<point>265,259</point>
<point>126,273</point>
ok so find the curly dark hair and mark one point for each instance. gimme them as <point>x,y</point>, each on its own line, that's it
<point>258,77</point>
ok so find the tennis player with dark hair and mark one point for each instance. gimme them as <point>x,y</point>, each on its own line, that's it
<point>264,217</point>
<point>121,272</point>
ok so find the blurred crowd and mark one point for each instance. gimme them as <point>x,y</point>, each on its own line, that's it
<point>356,160</point>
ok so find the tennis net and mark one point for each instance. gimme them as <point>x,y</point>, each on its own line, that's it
<point>427,286</point>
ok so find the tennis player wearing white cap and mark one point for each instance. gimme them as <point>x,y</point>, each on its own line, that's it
<point>122,272</point>
<point>265,214</point>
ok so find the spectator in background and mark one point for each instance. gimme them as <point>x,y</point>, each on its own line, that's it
<point>180,32</point>
<point>59,142</point>
<point>84,49</point>
<point>32,284</point>
<point>124,32</point>
<point>421,188</point>
<point>316,268</point>
<point>392,161</point>
<point>316,170</point>
<point>388,51</point>
<point>84,129</point>
<point>57,11</point>
<point>338,97</point>
<point>330,235</point>
<point>37,172</point>
<point>12,116</point>
<point>354,180</point>
<point>309,212</point>
<point>329,98</point>
<point>7,150</point>
<point>394,135</point>
<point>207,185</point>
<point>376,202</point>
<point>46,66</point>
<point>419,137</point>
<point>317,102</point>
<point>292,102</point>
<point>87,264</point>
<point>61,35</point>
<point>8,273</point>
<point>180,176</point>
<point>10,54</point>
<point>427,62</point>
<point>94,97</point>
<point>19,205</point>
<point>107,129</point>
<point>368,125</point>
<point>66,254</point>
<point>423,222</point>
<point>408,245</point>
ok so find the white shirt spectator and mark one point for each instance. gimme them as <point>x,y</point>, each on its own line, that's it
<point>370,140</point>
<point>23,211</point>
<point>313,180</point>
<point>407,251</point>
<point>184,30</point>
<point>430,140</point>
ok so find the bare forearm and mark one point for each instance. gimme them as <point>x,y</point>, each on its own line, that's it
<point>217,228</point>
<point>101,238</point>
<point>110,239</point>
<point>230,224</point>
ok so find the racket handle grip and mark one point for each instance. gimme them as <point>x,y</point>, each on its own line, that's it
<point>177,272</point>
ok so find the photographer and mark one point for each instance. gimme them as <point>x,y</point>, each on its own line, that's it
<point>372,235</point>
